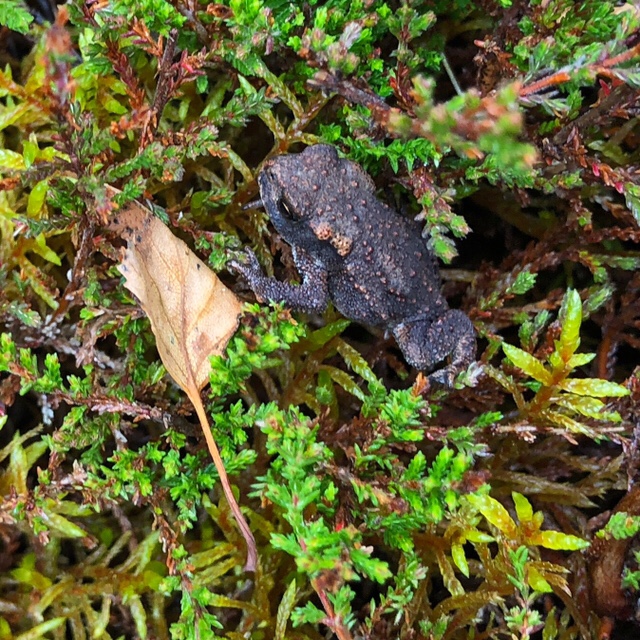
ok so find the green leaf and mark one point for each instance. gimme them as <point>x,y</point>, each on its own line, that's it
<point>372,568</point>
<point>284,610</point>
<point>62,526</point>
<point>460,559</point>
<point>40,630</point>
<point>345,381</point>
<point>587,406</point>
<point>138,614</point>
<point>537,581</point>
<point>524,282</point>
<point>632,197</point>
<point>528,363</point>
<point>571,319</point>
<point>30,150</point>
<point>15,16</point>
<point>594,387</point>
<point>524,510</point>
<point>478,536</point>
<point>495,513</point>
<point>354,360</point>
<point>37,197</point>
<point>309,614</point>
<point>558,541</point>
<point>11,160</point>
<point>565,422</point>
<point>621,526</point>
<point>40,247</point>
<point>320,337</point>
<point>580,359</point>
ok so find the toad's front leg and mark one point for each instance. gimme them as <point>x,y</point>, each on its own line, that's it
<point>424,344</point>
<point>311,296</point>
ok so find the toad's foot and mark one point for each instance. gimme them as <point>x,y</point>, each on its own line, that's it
<point>425,344</point>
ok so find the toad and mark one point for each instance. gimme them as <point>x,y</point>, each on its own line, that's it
<point>361,254</point>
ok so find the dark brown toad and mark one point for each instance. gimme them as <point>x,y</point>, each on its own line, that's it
<point>358,252</point>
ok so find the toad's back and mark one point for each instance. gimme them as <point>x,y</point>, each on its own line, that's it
<point>389,275</point>
<point>379,269</point>
<point>353,249</point>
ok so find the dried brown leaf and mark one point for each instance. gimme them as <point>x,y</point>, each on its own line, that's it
<point>192,313</point>
<point>193,316</point>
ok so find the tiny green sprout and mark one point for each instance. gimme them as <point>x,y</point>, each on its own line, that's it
<point>436,630</point>
<point>525,281</point>
<point>559,397</point>
<point>307,614</point>
<point>487,419</point>
<point>15,16</point>
<point>631,579</point>
<point>632,196</point>
<point>274,330</point>
<point>521,540</point>
<point>528,531</point>
<point>621,526</point>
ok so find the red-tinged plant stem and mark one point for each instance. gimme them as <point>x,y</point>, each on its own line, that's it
<point>544,83</point>
<point>333,622</point>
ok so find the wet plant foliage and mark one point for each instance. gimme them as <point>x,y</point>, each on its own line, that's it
<point>382,507</point>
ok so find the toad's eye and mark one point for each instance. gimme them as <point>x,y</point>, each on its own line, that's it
<point>286,209</point>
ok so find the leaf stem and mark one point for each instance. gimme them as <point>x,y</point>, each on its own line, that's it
<point>252,552</point>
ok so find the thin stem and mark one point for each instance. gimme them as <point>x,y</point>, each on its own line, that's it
<point>252,552</point>
<point>333,621</point>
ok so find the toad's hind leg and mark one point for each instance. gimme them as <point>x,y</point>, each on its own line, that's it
<point>425,344</point>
